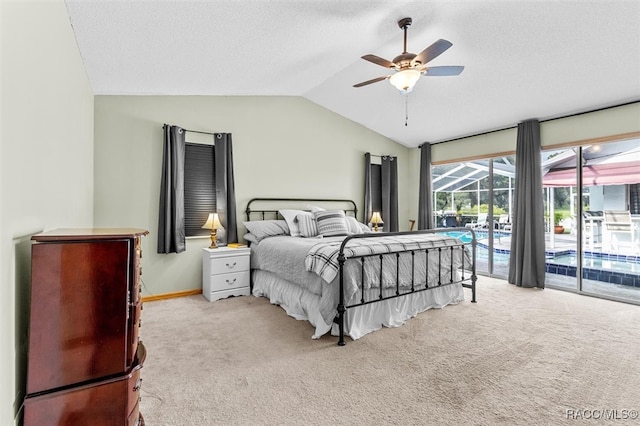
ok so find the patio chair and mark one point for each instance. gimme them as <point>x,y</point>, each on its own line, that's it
<point>503,221</point>
<point>481,222</point>
<point>592,229</point>
<point>618,224</point>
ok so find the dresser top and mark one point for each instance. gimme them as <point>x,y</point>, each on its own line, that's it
<point>74,234</point>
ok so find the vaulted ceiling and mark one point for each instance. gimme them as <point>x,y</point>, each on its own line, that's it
<point>522,59</point>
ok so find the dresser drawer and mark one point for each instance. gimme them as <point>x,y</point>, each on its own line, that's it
<point>228,264</point>
<point>135,418</point>
<point>134,324</point>
<point>110,402</point>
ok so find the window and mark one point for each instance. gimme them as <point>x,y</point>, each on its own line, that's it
<point>199,187</point>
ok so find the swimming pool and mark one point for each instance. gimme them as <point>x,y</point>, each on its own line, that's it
<point>465,237</point>
<point>608,268</point>
<point>615,269</point>
<point>598,262</point>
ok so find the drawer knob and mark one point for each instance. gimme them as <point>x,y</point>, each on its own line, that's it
<point>231,266</point>
<point>232,281</point>
<point>138,385</point>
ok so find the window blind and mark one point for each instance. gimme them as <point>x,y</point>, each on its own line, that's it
<point>199,187</point>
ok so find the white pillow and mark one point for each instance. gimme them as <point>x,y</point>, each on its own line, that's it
<point>314,209</point>
<point>261,229</point>
<point>365,229</point>
<point>353,225</point>
<point>331,223</point>
<point>290,217</point>
<point>307,224</point>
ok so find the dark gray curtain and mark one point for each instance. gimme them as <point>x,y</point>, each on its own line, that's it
<point>390,193</point>
<point>367,188</point>
<point>425,203</point>
<point>171,233</point>
<point>527,261</point>
<point>225,187</point>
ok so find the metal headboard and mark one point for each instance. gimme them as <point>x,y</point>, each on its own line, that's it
<point>271,209</point>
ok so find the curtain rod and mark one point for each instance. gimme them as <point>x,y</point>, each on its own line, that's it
<point>193,131</point>
<point>379,156</point>
<point>541,121</point>
<point>197,131</point>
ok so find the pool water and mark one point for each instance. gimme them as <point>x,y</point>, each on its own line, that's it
<point>598,263</point>
<point>465,237</point>
<point>605,268</point>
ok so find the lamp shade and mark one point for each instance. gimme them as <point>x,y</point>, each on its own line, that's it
<point>376,219</point>
<point>405,80</point>
<point>213,222</point>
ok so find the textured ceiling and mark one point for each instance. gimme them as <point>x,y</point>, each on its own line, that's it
<point>523,59</point>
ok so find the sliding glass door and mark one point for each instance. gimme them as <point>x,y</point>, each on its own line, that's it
<point>593,190</point>
<point>561,217</point>
<point>591,208</point>
<point>478,195</point>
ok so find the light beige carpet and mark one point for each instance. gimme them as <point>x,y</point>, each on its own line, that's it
<point>518,356</point>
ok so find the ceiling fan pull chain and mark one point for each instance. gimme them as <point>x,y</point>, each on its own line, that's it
<point>406,109</point>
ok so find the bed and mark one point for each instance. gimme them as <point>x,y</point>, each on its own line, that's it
<point>315,260</point>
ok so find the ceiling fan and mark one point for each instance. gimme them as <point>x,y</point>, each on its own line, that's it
<point>409,67</point>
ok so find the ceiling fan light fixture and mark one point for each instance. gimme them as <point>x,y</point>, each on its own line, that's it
<point>405,80</point>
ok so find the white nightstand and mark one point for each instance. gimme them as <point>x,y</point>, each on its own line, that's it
<point>225,272</point>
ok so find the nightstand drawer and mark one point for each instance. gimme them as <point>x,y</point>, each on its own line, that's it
<point>229,281</point>
<point>229,264</point>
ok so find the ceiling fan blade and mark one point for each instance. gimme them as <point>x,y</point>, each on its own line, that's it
<point>379,61</point>
<point>432,52</point>
<point>444,71</point>
<point>374,80</point>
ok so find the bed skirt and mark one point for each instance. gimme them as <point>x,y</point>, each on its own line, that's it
<point>361,320</point>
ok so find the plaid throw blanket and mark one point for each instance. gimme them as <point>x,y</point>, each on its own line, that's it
<point>322,258</point>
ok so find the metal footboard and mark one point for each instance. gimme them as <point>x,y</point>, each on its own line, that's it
<point>467,272</point>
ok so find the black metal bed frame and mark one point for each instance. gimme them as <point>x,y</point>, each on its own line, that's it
<point>274,212</point>
<point>467,282</point>
<point>342,308</point>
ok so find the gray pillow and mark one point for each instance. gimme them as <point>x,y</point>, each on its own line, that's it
<point>331,223</point>
<point>261,229</point>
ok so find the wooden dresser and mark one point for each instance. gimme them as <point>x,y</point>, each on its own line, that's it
<point>84,356</point>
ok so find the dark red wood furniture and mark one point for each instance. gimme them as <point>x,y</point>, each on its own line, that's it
<point>84,356</point>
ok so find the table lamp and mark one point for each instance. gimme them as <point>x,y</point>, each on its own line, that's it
<point>213,223</point>
<point>376,220</point>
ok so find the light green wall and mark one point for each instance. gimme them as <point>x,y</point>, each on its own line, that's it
<point>282,147</point>
<point>46,161</point>
<point>597,124</point>
<point>475,146</point>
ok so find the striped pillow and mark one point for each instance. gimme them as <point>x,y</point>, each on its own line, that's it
<point>331,223</point>
<point>307,224</point>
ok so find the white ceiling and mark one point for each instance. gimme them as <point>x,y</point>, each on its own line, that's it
<point>523,59</point>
